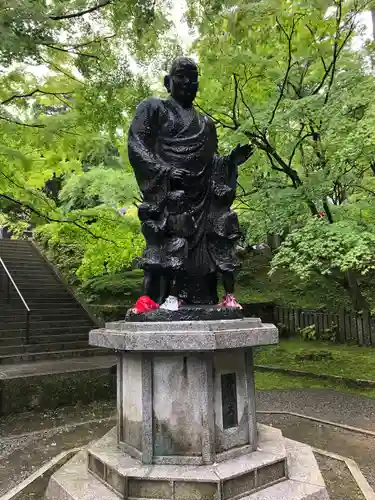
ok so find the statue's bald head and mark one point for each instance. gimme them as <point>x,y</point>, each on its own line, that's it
<point>182,81</point>
<point>183,63</point>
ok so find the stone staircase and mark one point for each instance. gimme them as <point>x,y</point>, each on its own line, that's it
<point>58,324</point>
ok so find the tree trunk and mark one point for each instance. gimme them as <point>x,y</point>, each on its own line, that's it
<point>352,287</point>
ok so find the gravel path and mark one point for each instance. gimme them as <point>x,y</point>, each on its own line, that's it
<point>50,433</point>
<point>325,437</point>
<point>341,407</point>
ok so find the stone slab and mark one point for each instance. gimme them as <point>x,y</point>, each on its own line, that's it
<point>305,481</point>
<point>290,490</point>
<point>187,313</point>
<point>48,385</point>
<point>184,336</point>
<point>74,482</point>
<point>271,450</point>
<point>56,366</point>
<point>184,326</point>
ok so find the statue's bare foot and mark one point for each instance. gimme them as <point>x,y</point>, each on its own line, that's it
<point>171,303</point>
<point>229,300</point>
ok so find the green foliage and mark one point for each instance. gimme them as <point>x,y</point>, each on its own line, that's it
<point>320,247</point>
<point>347,360</point>
<point>98,256</point>
<point>308,333</point>
<point>255,284</point>
<point>289,81</point>
<point>285,78</point>
<point>99,186</point>
<point>122,288</point>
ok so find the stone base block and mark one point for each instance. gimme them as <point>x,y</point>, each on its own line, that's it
<point>281,469</point>
<point>187,313</point>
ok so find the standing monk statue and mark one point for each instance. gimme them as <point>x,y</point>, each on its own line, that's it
<point>187,191</point>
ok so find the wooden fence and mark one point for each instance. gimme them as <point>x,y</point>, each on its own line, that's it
<point>348,327</point>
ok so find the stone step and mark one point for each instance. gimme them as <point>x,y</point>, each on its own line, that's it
<point>43,347</point>
<point>34,291</point>
<point>50,295</point>
<point>42,325</point>
<point>37,271</point>
<point>67,330</point>
<point>39,308</point>
<point>27,266</point>
<point>37,278</point>
<point>33,285</point>
<point>42,339</point>
<point>43,385</point>
<point>51,355</point>
<point>17,321</point>
<point>45,314</point>
<point>20,257</point>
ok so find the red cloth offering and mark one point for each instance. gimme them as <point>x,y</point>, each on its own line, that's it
<point>145,304</point>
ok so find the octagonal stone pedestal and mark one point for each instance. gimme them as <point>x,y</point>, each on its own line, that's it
<point>186,426</point>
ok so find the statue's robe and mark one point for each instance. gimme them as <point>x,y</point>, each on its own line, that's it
<point>163,137</point>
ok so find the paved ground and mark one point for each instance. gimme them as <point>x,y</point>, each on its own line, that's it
<point>346,443</point>
<point>27,441</point>
<point>30,440</point>
<point>341,407</point>
<point>339,482</point>
<point>56,366</point>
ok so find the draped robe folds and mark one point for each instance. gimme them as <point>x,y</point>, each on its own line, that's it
<point>188,226</point>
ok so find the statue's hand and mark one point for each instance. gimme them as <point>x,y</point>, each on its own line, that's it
<point>240,154</point>
<point>177,174</point>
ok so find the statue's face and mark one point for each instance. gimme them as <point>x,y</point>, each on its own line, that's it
<point>183,83</point>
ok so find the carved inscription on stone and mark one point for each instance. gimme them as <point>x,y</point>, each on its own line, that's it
<point>229,400</point>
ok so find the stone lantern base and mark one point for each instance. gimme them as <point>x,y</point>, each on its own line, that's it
<point>281,470</point>
<point>186,427</point>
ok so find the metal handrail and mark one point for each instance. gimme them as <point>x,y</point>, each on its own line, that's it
<point>28,310</point>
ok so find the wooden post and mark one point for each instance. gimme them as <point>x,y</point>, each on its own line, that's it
<point>342,327</point>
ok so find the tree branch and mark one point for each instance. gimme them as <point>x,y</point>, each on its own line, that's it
<point>320,54</point>
<point>250,111</point>
<point>298,143</point>
<point>235,99</point>
<point>52,219</point>
<point>337,49</point>
<point>67,51</point>
<point>289,66</point>
<point>90,42</point>
<point>99,5</point>
<point>216,120</point>
<point>15,122</point>
<point>30,94</point>
<point>57,68</point>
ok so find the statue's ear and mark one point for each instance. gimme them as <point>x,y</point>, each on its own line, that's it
<point>167,83</point>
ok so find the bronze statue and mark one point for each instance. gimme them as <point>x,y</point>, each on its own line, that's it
<point>187,190</point>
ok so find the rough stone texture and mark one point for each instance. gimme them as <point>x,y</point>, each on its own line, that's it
<point>171,406</point>
<point>241,477</point>
<point>73,482</point>
<point>131,404</point>
<point>185,336</point>
<point>237,435</point>
<point>240,471</point>
<point>149,489</point>
<point>189,491</point>
<point>177,405</point>
<point>238,485</point>
<point>180,406</point>
<point>187,313</point>
<point>271,473</point>
<point>48,385</point>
